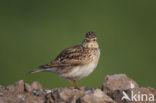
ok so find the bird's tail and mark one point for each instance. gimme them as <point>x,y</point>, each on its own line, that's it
<point>36,70</point>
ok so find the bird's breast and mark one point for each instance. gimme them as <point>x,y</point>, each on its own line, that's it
<point>82,71</point>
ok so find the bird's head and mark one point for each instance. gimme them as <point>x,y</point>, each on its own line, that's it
<point>90,40</point>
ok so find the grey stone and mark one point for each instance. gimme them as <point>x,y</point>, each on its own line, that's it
<point>112,92</point>
<point>36,85</point>
<point>117,81</point>
<point>95,96</point>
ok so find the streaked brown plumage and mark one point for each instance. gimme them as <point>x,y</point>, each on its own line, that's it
<point>75,62</point>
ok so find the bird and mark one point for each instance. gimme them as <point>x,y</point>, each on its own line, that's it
<point>76,62</point>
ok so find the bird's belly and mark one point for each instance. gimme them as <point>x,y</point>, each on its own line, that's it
<point>79,72</point>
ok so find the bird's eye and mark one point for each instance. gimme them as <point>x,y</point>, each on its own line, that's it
<point>94,39</point>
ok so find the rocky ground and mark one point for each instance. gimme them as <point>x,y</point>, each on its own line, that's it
<point>113,90</point>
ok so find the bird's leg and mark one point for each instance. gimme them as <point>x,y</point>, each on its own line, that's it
<point>71,82</point>
<point>76,86</point>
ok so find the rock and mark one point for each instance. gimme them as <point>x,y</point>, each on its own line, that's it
<point>62,95</point>
<point>18,87</point>
<point>75,98</point>
<point>95,96</point>
<point>117,81</point>
<point>114,89</point>
<point>1,89</point>
<point>28,88</point>
<point>19,92</point>
<point>71,95</point>
<point>36,85</point>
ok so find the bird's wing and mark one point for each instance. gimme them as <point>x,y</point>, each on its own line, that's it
<point>69,57</point>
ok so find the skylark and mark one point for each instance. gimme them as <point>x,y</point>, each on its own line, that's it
<point>75,62</point>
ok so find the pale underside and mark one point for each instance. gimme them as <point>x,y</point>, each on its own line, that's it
<point>77,72</point>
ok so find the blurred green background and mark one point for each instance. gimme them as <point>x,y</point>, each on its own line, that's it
<point>33,32</point>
